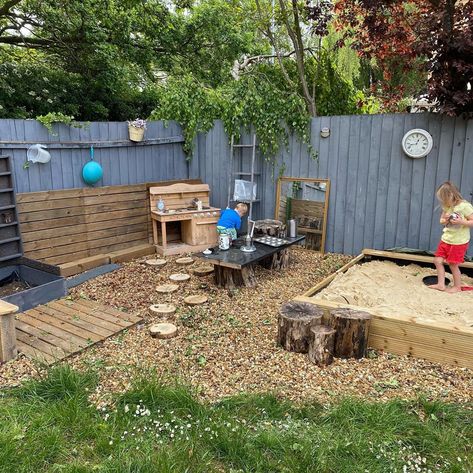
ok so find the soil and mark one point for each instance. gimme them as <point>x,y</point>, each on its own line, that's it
<point>12,288</point>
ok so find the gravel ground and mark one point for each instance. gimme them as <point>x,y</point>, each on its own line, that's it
<point>227,346</point>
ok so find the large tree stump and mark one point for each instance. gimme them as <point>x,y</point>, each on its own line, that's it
<point>269,227</point>
<point>278,260</point>
<point>229,278</point>
<point>296,319</point>
<point>351,339</point>
<point>321,345</point>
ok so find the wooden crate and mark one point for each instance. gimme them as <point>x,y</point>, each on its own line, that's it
<point>440,342</point>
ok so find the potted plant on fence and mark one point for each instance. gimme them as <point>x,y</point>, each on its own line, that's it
<point>136,129</point>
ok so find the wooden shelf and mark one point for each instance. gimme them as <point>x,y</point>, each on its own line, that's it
<point>309,230</point>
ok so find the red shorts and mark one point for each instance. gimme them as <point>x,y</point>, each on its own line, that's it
<point>454,254</point>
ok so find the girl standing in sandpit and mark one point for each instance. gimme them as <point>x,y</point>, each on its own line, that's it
<point>457,218</point>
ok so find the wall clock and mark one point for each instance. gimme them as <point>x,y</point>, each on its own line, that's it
<point>417,143</point>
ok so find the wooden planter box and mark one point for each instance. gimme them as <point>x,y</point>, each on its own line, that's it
<point>440,342</point>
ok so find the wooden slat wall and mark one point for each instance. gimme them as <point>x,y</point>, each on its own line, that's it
<point>61,226</point>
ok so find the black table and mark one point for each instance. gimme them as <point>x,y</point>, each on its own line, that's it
<point>234,267</point>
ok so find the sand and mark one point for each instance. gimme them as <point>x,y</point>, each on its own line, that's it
<point>391,289</point>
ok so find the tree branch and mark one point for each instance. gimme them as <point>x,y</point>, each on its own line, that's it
<point>7,6</point>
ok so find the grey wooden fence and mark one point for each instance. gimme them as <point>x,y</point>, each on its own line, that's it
<point>379,197</point>
<point>123,162</point>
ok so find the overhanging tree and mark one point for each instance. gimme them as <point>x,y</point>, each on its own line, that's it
<point>435,36</point>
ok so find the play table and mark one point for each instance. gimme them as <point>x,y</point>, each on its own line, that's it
<point>234,267</point>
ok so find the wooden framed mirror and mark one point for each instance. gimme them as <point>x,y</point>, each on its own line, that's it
<point>306,201</point>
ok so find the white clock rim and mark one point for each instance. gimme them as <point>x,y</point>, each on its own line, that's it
<point>430,142</point>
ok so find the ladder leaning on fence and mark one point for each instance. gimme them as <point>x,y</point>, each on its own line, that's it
<point>240,174</point>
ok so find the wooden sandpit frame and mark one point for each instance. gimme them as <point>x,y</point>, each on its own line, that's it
<point>439,342</point>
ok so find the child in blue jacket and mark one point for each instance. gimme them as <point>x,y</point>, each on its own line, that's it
<point>230,220</point>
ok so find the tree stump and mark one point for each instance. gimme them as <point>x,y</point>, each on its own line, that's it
<point>179,277</point>
<point>321,345</point>
<point>351,339</point>
<point>163,330</point>
<point>185,261</point>
<point>229,278</point>
<point>278,260</point>
<point>161,309</point>
<point>203,270</point>
<point>269,227</point>
<point>196,300</point>
<point>296,319</point>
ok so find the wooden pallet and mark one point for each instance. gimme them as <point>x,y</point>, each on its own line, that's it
<point>54,331</point>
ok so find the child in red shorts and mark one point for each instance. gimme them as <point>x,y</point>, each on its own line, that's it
<point>457,218</point>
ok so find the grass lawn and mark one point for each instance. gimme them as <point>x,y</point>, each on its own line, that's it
<point>49,425</point>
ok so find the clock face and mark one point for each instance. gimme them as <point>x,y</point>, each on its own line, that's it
<point>417,143</point>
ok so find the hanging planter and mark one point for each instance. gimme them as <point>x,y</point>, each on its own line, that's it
<point>136,129</point>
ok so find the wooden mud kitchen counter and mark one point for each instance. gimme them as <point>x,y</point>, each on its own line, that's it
<point>181,227</point>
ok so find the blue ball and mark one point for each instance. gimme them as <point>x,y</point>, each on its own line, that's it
<point>92,172</point>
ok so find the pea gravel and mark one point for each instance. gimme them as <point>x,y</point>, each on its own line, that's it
<point>227,345</point>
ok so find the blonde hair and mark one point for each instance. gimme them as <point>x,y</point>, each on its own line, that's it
<point>449,195</point>
<point>242,207</point>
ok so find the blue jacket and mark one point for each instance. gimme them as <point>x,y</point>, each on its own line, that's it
<point>229,219</point>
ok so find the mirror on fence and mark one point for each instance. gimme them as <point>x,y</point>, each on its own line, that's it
<point>304,200</point>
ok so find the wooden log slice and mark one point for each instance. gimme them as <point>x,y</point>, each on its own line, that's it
<point>156,262</point>
<point>162,309</point>
<point>167,288</point>
<point>196,300</point>
<point>203,270</point>
<point>230,278</point>
<point>352,326</point>
<point>163,330</point>
<point>185,260</point>
<point>296,319</point>
<point>180,277</point>
<point>321,345</point>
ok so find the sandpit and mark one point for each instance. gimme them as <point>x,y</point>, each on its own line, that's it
<point>391,289</point>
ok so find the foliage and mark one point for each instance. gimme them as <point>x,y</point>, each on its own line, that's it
<point>261,100</point>
<point>57,117</point>
<point>50,426</point>
<point>433,37</point>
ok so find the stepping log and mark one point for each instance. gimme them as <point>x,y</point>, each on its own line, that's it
<point>156,262</point>
<point>179,277</point>
<point>163,330</point>
<point>321,345</point>
<point>185,261</point>
<point>352,326</point>
<point>196,300</point>
<point>203,270</point>
<point>167,288</point>
<point>162,309</point>
<point>296,319</point>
